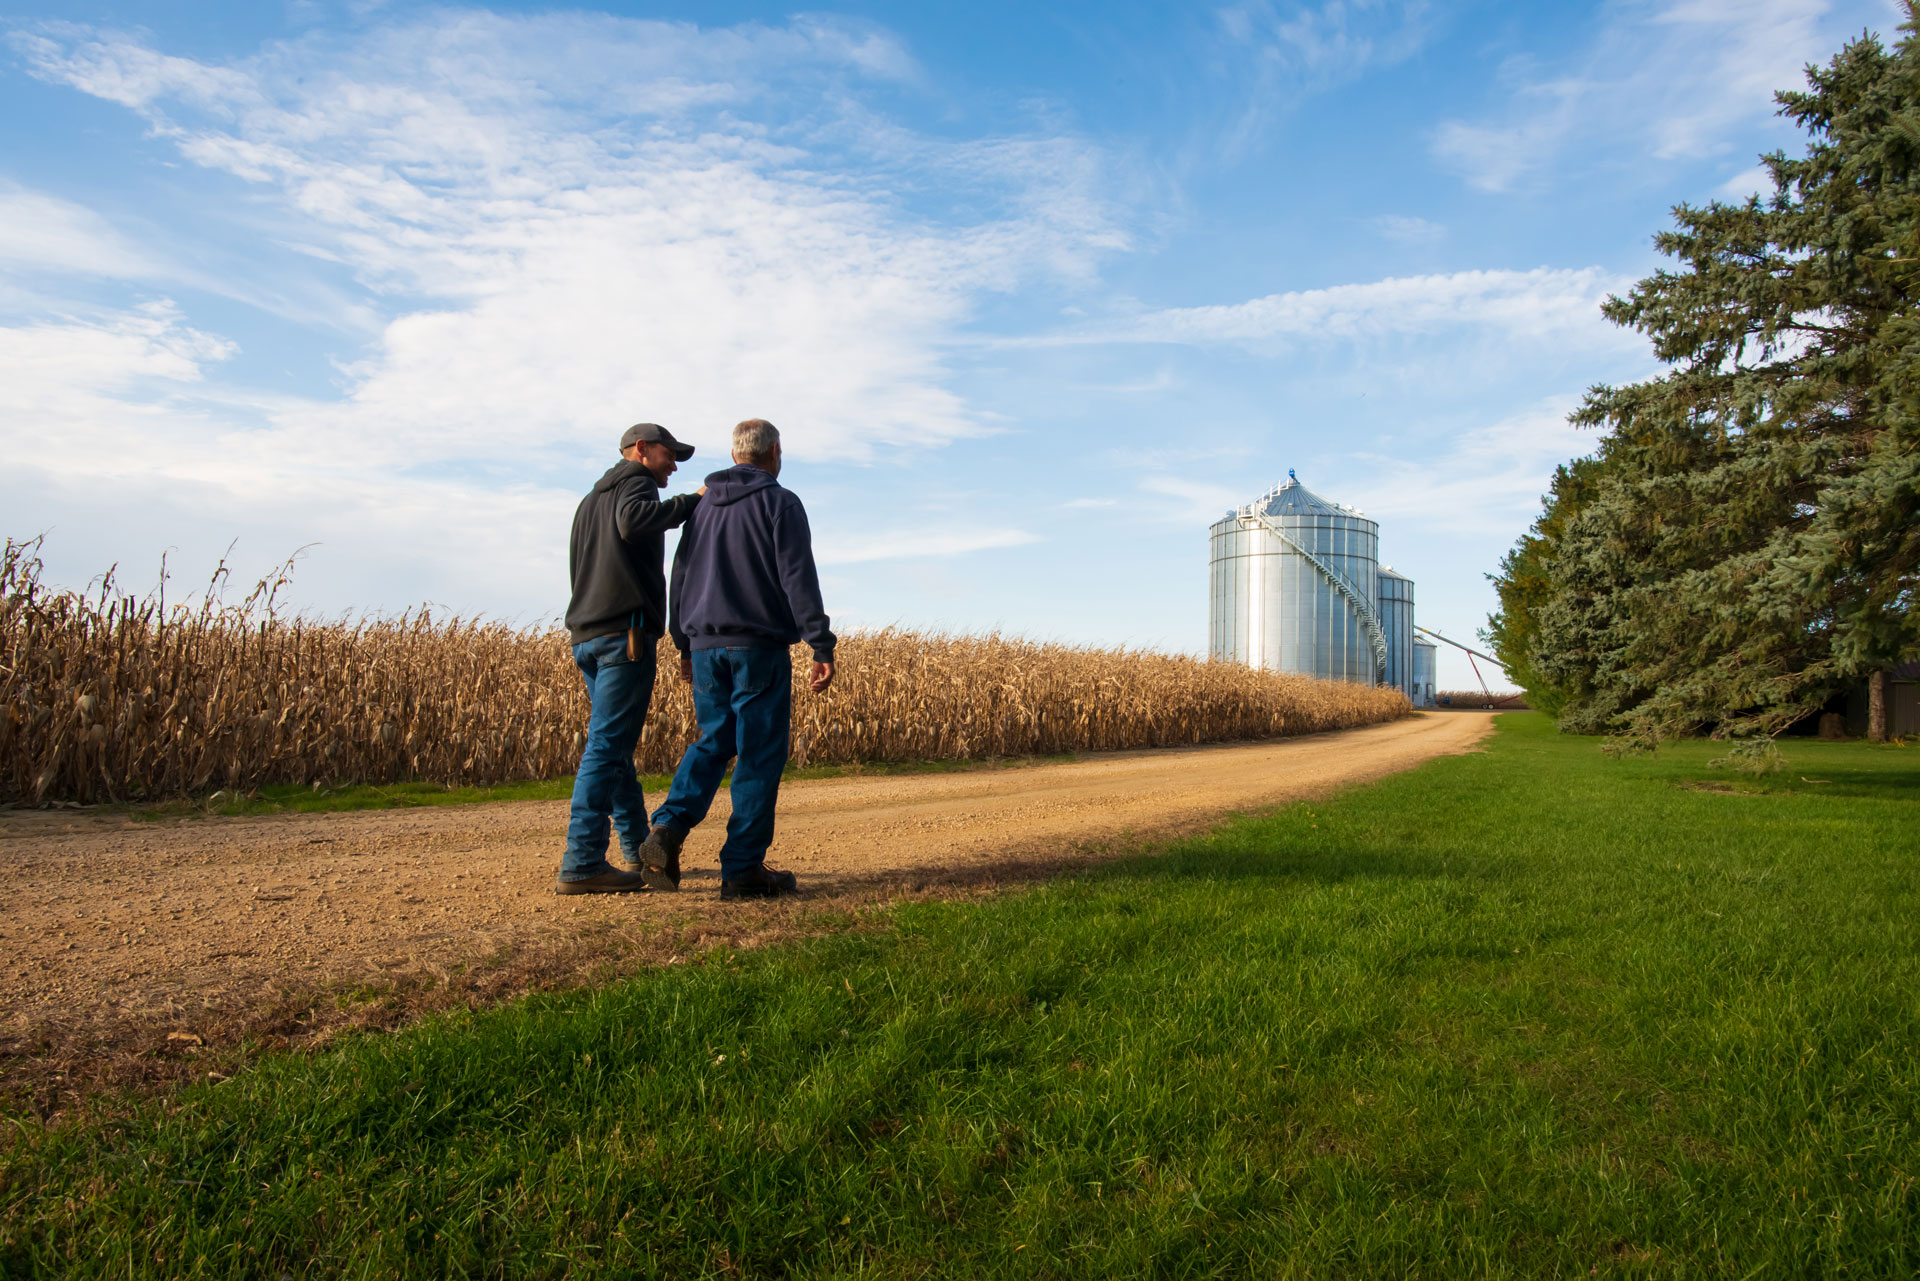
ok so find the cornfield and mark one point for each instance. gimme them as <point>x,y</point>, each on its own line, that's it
<point>105,696</point>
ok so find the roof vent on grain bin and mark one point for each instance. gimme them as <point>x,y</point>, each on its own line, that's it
<point>1296,585</point>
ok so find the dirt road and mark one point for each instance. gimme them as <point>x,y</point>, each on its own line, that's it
<point>112,929</point>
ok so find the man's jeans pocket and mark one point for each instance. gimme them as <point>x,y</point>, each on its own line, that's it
<point>759,670</point>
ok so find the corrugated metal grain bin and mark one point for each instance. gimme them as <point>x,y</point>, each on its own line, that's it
<point>1294,586</point>
<point>1396,619</point>
<point>1425,671</point>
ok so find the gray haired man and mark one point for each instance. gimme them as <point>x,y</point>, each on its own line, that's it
<point>744,590</point>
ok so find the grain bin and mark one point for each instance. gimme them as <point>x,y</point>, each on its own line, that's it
<point>1396,620</point>
<point>1424,667</point>
<point>1294,587</point>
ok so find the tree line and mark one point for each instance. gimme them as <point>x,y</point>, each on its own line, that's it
<point>1743,543</point>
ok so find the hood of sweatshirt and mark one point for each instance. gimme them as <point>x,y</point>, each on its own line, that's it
<point>623,470</point>
<point>735,483</point>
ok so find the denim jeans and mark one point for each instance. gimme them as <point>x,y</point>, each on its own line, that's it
<point>743,700</point>
<point>607,786</point>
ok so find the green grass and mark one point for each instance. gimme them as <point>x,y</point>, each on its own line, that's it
<point>1525,1013</point>
<point>293,798</point>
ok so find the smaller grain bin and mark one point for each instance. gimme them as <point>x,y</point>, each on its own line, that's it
<point>1396,620</point>
<point>1425,652</point>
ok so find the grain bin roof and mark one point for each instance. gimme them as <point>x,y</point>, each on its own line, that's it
<point>1291,498</point>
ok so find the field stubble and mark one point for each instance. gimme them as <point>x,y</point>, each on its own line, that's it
<point>109,697</point>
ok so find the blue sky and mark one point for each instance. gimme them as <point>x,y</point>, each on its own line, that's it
<point>1034,291</point>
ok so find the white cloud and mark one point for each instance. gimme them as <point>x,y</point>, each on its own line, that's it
<point>1405,230</point>
<point>119,69</point>
<point>63,376</point>
<point>1748,182</point>
<point>1670,80</point>
<point>48,242</point>
<point>917,544</point>
<point>118,412</point>
<point>44,233</point>
<point>1283,50</point>
<point>1193,502</point>
<point>570,222</point>
<point>1755,48</point>
<point>1161,380</point>
<point>1493,157</point>
<point>1488,481</point>
<point>1333,39</point>
<point>1545,304</point>
<point>593,268</point>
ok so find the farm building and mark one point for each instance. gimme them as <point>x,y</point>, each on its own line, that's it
<point>1902,703</point>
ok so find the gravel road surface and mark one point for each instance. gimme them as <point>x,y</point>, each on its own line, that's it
<point>111,925</point>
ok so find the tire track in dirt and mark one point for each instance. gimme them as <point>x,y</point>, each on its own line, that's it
<point>117,934</point>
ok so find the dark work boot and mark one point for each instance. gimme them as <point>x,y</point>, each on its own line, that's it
<point>609,882</point>
<point>657,859</point>
<point>761,882</point>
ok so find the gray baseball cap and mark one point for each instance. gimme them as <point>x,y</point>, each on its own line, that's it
<point>654,433</point>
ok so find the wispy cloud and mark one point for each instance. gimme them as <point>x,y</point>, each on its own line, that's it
<point>62,376</point>
<point>1160,380</point>
<point>1670,80</point>
<point>42,233</point>
<point>122,413</point>
<point>1334,39</point>
<point>1545,304</point>
<point>566,222</point>
<point>551,185</point>
<point>916,544</point>
<point>1179,500</point>
<point>1756,181</point>
<point>48,244</point>
<point>1405,230</point>
<point>1489,480</point>
<point>1281,50</point>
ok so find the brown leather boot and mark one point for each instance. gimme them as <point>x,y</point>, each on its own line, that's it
<point>611,882</point>
<point>761,882</point>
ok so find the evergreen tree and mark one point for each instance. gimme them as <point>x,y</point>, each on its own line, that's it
<point>1745,541</point>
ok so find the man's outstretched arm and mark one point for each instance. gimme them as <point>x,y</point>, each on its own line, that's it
<point>639,510</point>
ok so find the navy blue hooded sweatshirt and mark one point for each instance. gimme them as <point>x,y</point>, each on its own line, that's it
<point>744,575</point>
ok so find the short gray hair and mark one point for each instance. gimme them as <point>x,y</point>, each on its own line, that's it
<point>754,439</point>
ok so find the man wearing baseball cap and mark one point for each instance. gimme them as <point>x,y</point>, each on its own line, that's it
<point>615,619</point>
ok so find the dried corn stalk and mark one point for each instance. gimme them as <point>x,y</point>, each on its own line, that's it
<point>107,697</point>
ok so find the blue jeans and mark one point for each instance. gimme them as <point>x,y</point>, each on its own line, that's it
<point>607,785</point>
<point>743,700</point>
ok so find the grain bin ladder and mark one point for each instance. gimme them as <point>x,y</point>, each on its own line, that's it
<point>1369,617</point>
